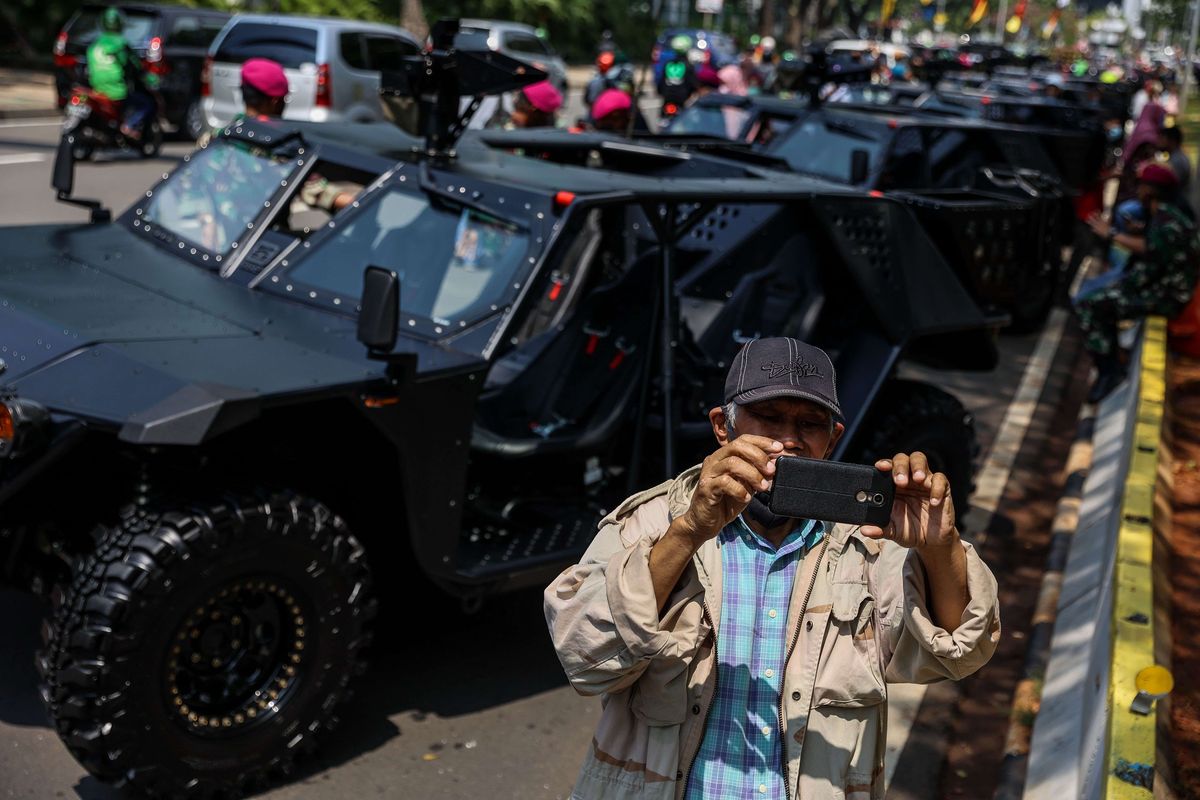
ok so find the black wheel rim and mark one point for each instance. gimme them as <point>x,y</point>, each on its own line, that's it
<point>237,658</point>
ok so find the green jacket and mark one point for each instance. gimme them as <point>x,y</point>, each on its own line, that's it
<point>112,65</point>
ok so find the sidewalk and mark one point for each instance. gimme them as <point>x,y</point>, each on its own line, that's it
<point>1181,546</point>
<point>26,93</point>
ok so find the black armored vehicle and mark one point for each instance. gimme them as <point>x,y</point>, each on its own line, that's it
<point>990,196</point>
<point>458,374</point>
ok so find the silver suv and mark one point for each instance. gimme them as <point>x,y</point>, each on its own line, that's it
<point>522,43</point>
<point>332,65</point>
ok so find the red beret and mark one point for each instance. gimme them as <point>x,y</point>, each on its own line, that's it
<point>1155,174</point>
<point>708,76</point>
<point>610,100</point>
<point>266,76</point>
<point>543,96</point>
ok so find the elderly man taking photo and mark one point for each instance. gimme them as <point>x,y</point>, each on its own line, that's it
<point>740,654</point>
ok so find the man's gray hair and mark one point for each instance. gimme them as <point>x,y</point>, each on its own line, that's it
<point>730,412</point>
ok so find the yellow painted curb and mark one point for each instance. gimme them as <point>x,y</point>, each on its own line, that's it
<point>1130,746</point>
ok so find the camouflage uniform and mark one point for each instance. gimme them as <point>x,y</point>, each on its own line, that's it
<point>1160,281</point>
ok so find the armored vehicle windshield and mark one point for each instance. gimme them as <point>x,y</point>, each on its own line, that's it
<point>456,264</point>
<point>211,201</point>
<point>823,147</point>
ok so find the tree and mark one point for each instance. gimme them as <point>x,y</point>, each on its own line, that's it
<point>854,14</point>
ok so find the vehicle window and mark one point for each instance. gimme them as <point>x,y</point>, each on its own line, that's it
<point>455,265</point>
<point>711,120</point>
<point>905,167</point>
<point>525,44</point>
<point>386,52</point>
<point>211,26</point>
<point>699,118</point>
<point>210,199</point>
<point>353,50</point>
<point>290,46</point>
<point>186,32</point>
<point>955,157</point>
<point>139,26</point>
<point>815,148</point>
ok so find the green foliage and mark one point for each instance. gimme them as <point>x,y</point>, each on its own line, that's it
<point>1170,16</point>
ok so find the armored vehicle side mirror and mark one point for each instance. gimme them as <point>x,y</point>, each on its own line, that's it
<point>860,166</point>
<point>380,310</point>
<point>62,180</point>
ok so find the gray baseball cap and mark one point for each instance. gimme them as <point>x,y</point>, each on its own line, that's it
<point>781,367</point>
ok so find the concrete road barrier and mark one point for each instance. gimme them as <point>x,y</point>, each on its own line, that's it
<point>1087,743</point>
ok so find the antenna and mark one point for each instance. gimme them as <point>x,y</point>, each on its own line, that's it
<point>454,65</point>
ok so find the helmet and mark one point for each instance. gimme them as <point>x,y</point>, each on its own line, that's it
<point>681,43</point>
<point>112,20</point>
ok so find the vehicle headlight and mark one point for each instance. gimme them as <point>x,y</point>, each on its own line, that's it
<point>22,426</point>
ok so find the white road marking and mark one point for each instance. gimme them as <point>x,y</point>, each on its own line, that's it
<point>21,158</point>
<point>904,701</point>
<point>40,122</point>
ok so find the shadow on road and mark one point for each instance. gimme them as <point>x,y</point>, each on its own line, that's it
<point>448,664</point>
<point>429,659</point>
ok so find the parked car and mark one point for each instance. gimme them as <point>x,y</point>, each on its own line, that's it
<point>522,43</point>
<point>171,40</point>
<point>332,65</point>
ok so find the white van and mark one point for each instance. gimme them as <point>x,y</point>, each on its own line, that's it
<point>332,65</point>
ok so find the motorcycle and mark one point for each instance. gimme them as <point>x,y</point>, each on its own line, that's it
<point>95,120</point>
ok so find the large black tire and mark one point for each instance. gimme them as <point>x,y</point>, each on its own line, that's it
<point>194,124</point>
<point>152,139</point>
<point>916,416</point>
<point>143,671</point>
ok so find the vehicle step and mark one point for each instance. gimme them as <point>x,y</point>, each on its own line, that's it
<point>493,547</point>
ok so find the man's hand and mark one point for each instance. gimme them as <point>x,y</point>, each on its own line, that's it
<point>729,478</point>
<point>923,519</point>
<point>923,511</point>
<point>1099,225</point>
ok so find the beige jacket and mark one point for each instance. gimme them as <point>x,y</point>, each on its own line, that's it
<point>866,624</point>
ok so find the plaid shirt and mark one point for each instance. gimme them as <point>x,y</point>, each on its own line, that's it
<point>740,754</point>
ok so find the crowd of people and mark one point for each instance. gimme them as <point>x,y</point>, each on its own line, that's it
<point>1149,244</point>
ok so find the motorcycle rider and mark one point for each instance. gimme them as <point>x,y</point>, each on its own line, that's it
<point>677,82</point>
<point>114,70</point>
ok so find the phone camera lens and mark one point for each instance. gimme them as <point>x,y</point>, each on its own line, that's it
<point>878,498</point>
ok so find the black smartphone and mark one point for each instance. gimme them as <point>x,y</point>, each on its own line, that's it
<point>831,491</point>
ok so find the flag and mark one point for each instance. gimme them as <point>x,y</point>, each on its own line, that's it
<point>1051,24</point>
<point>978,11</point>
<point>885,12</point>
